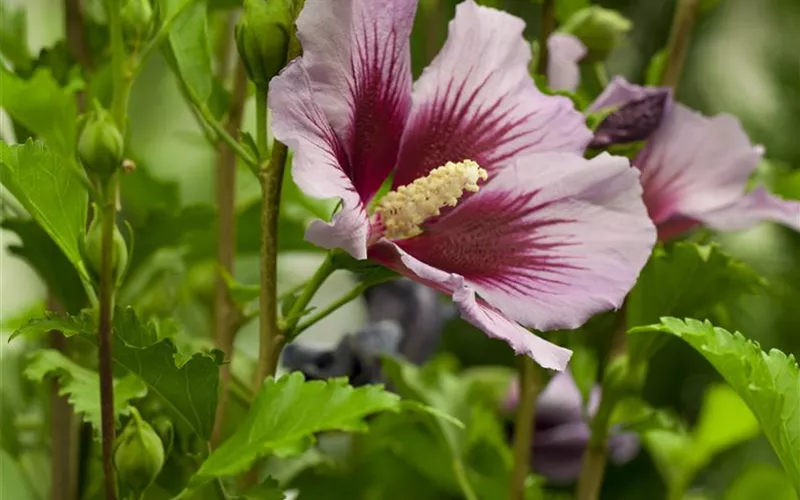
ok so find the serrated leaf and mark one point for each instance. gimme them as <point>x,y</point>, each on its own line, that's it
<point>769,383</point>
<point>81,386</point>
<point>190,51</point>
<point>684,280</point>
<point>285,416</point>
<point>185,384</point>
<point>46,186</point>
<point>42,106</point>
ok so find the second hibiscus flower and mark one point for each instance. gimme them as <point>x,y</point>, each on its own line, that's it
<point>492,201</point>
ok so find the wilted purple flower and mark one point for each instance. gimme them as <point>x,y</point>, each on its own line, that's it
<point>561,429</point>
<point>548,240</point>
<point>405,319</point>
<point>633,121</point>
<point>694,170</point>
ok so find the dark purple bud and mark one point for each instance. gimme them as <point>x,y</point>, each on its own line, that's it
<point>633,121</point>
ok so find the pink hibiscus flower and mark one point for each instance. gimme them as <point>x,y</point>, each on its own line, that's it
<point>492,201</point>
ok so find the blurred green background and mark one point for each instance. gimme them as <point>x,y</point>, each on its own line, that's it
<point>744,60</point>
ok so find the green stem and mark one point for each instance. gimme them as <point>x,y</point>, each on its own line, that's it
<point>530,385</point>
<point>601,73</point>
<point>107,285</point>
<point>270,176</point>
<point>463,481</point>
<point>680,34</point>
<point>593,466</point>
<point>548,25</point>
<point>312,286</point>
<point>344,299</point>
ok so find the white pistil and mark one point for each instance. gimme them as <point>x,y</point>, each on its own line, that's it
<point>404,210</point>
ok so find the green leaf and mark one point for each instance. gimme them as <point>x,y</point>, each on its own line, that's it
<point>565,8</point>
<point>760,482</point>
<point>242,295</point>
<point>14,37</point>
<point>190,52</point>
<point>81,386</point>
<point>185,384</point>
<point>684,280</point>
<point>655,70</point>
<point>43,107</point>
<point>268,490</point>
<point>13,483</point>
<point>725,421</point>
<point>769,383</point>
<point>285,416</point>
<point>48,189</point>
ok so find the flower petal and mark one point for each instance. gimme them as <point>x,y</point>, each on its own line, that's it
<point>564,53</point>
<point>318,162</point>
<point>694,165</point>
<point>357,53</point>
<point>475,311</point>
<point>477,101</point>
<point>549,241</point>
<point>756,206</point>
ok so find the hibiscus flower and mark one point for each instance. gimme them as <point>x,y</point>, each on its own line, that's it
<point>491,201</point>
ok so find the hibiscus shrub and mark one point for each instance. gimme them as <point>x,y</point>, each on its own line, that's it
<point>390,249</point>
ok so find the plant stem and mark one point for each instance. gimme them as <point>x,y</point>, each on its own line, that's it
<point>463,481</point>
<point>344,299</point>
<point>548,25</point>
<point>225,312</point>
<point>107,284</point>
<point>271,178</point>
<point>593,464</point>
<point>163,32</point>
<point>680,34</point>
<point>312,286</point>
<point>530,384</point>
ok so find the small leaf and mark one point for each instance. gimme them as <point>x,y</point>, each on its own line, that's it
<point>636,415</point>
<point>285,416</point>
<point>189,51</point>
<point>769,383</point>
<point>241,294</point>
<point>81,386</point>
<point>565,8</point>
<point>725,421</point>
<point>14,37</point>
<point>683,280</point>
<point>761,481</point>
<point>48,189</point>
<point>268,490</point>
<point>655,70</point>
<point>43,107</point>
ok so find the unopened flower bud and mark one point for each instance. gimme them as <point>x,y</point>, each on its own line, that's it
<point>100,146</point>
<point>262,37</point>
<point>633,121</point>
<point>600,29</point>
<point>137,21</point>
<point>139,455</point>
<point>93,249</point>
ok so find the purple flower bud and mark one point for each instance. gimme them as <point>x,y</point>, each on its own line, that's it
<point>633,121</point>
<point>561,430</point>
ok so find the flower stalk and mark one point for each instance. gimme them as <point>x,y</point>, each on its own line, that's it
<point>270,176</point>
<point>686,13</point>
<point>548,26</point>
<point>530,385</point>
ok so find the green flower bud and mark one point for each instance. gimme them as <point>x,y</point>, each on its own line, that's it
<point>139,455</point>
<point>601,30</point>
<point>163,426</point>
<point>262,37</point>
<point>100,146</point>
<point>93,249</point>
<point>137,21</point>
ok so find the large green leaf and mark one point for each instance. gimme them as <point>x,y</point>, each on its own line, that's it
<point>761,482</point>
<point>43,107</point>
<point>46,186</point>
<point>285,416</point>
<point>13,484</point>
<point>769,383</point>
<point>14,37</point>
<point>186,383</point>
<point>684,280</point>
<point>82,386</point>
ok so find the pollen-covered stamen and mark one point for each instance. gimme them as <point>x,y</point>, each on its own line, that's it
<point>403,211</point>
